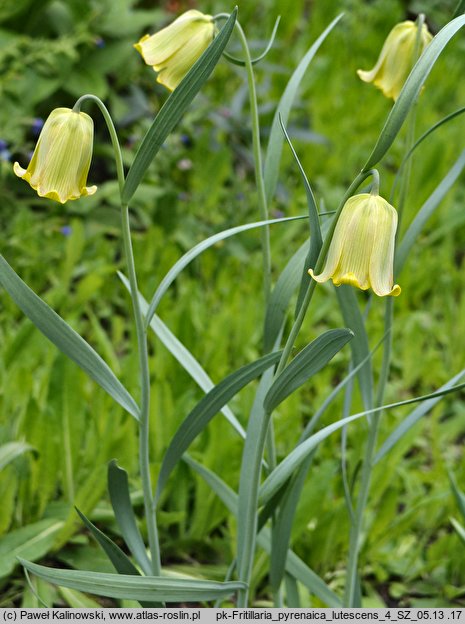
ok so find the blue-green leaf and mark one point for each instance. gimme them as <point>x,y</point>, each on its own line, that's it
<point>175,106</point>
<point>305,364</point>
<point>206,409</point>
<point>118,489</point>
<point>141,588</point>
<point>64,337</point>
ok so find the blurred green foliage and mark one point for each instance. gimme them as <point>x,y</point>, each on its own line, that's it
<point>202,182</point>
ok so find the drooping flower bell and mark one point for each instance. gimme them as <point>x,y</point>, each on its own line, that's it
<point>61,160</point>
<point>173,50</point>
<point>361,252</point>
<point>397,58</point>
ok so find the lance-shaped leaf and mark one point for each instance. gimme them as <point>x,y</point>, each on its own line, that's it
<point>305,364</point>
<point>411,90</point>
<point>11,450</point>
<point>120,561</point>
<point>128,587</point>
<point>207,407</point>
<point>118,489</point>
<point>64,337</point>
<point>175,106</point>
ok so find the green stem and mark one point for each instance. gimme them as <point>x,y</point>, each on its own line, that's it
<point>144,422</point>
<point>257,154</point>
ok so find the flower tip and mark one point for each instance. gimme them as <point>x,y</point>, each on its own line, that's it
<point>19,171</point>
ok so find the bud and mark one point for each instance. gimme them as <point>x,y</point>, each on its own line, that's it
<point>61,160</point>
<point>361,252</point>
<point>172,51</point>
<point>397,58</point>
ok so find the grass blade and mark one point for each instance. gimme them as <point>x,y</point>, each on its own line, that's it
<point>175,106</point>
<point>119,495</point>
<point>206,409</point>
<point>141,588</point>
<point>64,337</point>
<point>11,450</point>
<point>306,364</point>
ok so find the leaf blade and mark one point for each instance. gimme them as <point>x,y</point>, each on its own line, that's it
<point>306,363</point>
<point>64,337</point>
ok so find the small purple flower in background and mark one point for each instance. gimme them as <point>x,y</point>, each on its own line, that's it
<point>183,196</point>
<point>3,145</point>
<point>278,214</point>
<point>99,42</point>
<point>186,140</point>
<point>37,125</point>
<point>66,230</point>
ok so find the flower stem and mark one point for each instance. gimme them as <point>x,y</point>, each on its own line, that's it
<point>144,422</point>
<point>259,180</point>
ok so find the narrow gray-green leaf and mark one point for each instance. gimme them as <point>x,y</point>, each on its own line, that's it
<point>141,588</point>
<point>316,238</point>
<point>426,211</point>
<point>64,337</point>
<point>118,489</point>
<point>306,364</point>
<point>11,450</point>
<point>276,140</point>
<point>206,409</point>
<point>175,106</point>
<point>411,420</point>
<point>359,345</point>
<point>196,251</point>
<point>120,561</point>
<point>294,565</point>
<point>183,356</point>
<point>411,90</point>
<point>294,460</point>
<point>281,295</point>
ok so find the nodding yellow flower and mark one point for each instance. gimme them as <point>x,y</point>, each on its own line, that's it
<point>361,252</point>
<point>61,160</point>
<point>397,58</point>
<point>173,50</point>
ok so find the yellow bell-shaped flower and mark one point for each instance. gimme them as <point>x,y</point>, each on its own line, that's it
<point>397,58</point>
<point>172,51</point>
<point>61,160</point>
<point>361,252</point>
